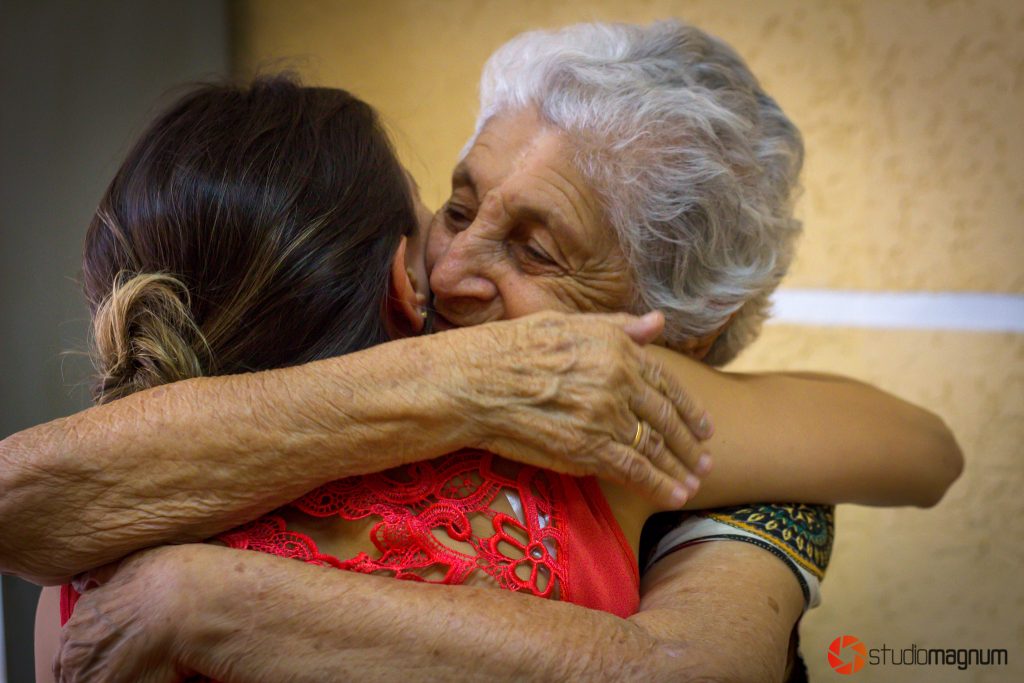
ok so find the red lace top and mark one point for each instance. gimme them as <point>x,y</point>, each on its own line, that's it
<point>562,542</point>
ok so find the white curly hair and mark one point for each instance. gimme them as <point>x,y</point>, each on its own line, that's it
<point>696,166</point>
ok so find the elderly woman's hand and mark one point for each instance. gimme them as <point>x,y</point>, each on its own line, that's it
<point>130,628</point>
<point>578,394</point>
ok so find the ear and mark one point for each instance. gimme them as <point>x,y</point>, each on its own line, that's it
<point>403,312</point>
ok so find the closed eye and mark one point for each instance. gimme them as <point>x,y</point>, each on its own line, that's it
<point>456,218</point>
<point>534,257</point>
<point>538,254</point>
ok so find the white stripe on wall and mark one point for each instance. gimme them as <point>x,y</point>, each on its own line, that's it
<point>966,311</point>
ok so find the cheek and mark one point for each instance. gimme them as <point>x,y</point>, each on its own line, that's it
<point>523,295</point>
<point>592,293</point>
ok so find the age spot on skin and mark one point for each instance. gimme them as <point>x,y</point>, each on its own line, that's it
<point>240,568</point>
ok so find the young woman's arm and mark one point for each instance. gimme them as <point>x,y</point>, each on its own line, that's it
<point>185,461</point>
<point>815,438</point>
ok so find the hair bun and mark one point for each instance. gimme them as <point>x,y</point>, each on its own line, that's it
<point>144,335</point>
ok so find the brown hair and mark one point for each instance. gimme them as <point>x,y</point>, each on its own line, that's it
<point>249,228</point>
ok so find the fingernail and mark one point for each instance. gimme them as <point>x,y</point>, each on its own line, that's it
<point>703,464</point>
<point>692,483</point>
<point>705,425</point>
<point>679,496</point>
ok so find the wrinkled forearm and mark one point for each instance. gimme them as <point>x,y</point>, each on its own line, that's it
<point>817,439</point>
<point>185,461</point>
<point>717,612</point>
<point>345,626</point>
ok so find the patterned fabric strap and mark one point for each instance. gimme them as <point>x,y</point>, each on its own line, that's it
<point>801,535</point>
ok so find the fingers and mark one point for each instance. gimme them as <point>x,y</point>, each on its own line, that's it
<point>652,446</point>
<point>641,329</point>
<point>637,472</point>
<point>654,449</point>
<point>685,457</point>
<point>646,328</point>
<point>690,411</point>
<point>73,661</point>
<point>71,664</point>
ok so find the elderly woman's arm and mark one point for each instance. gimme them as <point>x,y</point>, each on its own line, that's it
<point>815,438</point>
<point>185,461</point>
<point>715,612</point>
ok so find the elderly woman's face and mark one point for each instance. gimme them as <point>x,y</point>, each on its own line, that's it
<point>522,232</point>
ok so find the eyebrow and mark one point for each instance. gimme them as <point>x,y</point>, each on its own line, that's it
<point>463,176</point>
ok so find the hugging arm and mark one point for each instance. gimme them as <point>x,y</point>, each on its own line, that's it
<point>713,612</point>
<point>185,461</point>
<point>815,438</point>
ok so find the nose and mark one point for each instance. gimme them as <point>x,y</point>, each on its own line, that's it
<point>460,273</point>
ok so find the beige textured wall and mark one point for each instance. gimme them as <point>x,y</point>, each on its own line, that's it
<point>911,112</point>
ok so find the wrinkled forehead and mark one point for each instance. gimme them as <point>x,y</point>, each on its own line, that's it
<point>527,165</point>
<point>505,142</point>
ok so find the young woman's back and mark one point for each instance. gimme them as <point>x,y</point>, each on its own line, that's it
<point>254,228</point>
<point>467,518</point>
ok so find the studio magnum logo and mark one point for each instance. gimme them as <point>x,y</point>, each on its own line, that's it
<point>851,661</point>
<point>848,654</point>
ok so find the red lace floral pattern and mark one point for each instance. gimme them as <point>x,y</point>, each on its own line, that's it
<point>419,505</point>
<point>569,545</point>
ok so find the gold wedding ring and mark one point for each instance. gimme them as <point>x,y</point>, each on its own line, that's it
<point>639,434</point>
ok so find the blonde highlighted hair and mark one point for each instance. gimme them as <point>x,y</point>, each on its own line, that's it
<point>144,335</point>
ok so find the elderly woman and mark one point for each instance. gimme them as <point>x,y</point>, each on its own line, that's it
<point>527,229</point>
